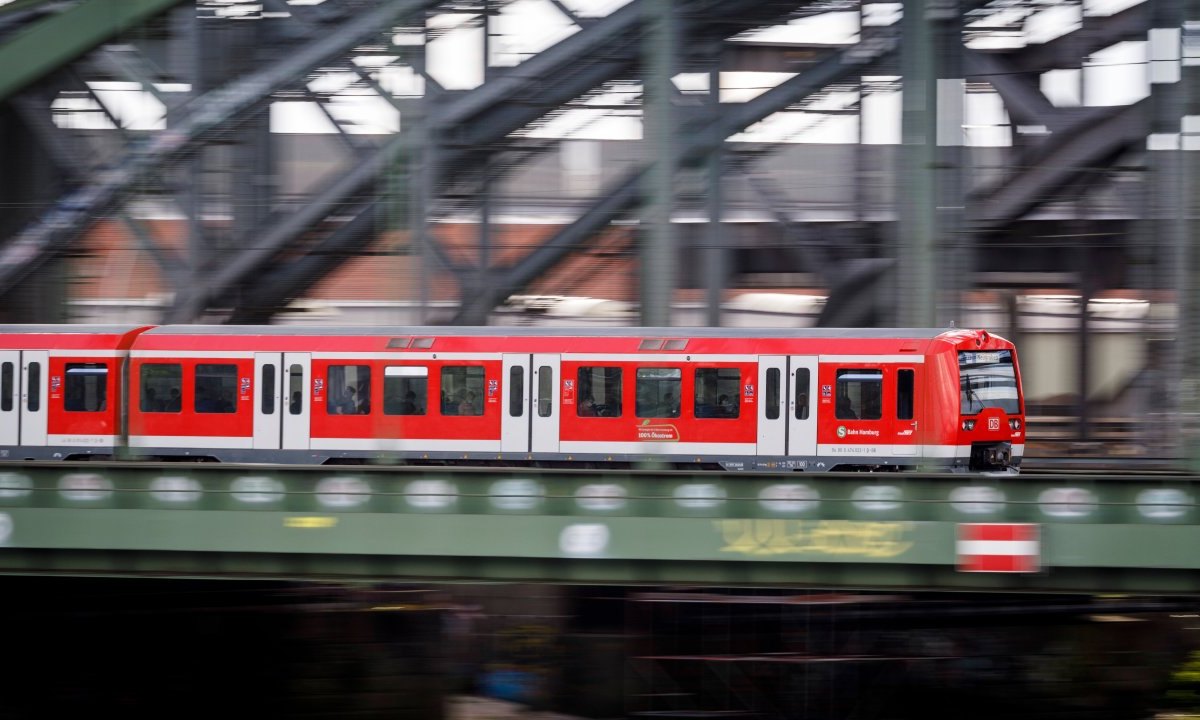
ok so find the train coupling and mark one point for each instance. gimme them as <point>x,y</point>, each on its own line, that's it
<point>991,455</point>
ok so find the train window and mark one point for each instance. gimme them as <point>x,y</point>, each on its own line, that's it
<point>6,387</point>
<point>405,390</point>
<point>216,388</point>
<point>545,391</point>
<point>349,390</point>
<point>35,387</point>
<point>516,391</point>
<point>296,389</point>
<point>599,391</point>
<point>904,394</point>
<point>987,380</point>
<point>658,392</point>
<point>268,389</point>
<point>771,394</point>
<point>86,387</point>
<point>462,390</point>
<point>162,385</point>
<point>802,394</point>
<point>717,392</point>
<point>859,394</point>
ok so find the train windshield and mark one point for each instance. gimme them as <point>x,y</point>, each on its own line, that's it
<point>987,380</point>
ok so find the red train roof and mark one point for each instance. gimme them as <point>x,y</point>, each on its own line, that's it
<point>507,331</point>
<point>536,339</point>
<point>69,337</point>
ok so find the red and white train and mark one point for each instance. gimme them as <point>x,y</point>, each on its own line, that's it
<point>812,400</point>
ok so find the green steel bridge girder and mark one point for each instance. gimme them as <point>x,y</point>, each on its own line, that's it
<point>59,39</point>
<point>1096,534</point>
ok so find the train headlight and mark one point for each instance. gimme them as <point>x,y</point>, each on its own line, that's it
<point>1014,423</point>
<point>968,425</point>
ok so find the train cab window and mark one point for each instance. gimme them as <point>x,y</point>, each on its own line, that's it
<point>86,387</point>
<point>405,390</point>
<point>802,394</point>
<point>545,391</point>
<point>267,383</point>
<point>162,386</point>
<point>516,391</point>
<point>988,380</point>
<point>658,392</point>
<point>349,390</point>
<point>296,389</point>
<point>904,394</point>
<point>599,391</point>
<point>6,387</point>
<point>718,393</point>
<point>216,388</point>
<point>859,394</point>
<point>462,390</point>
<point>771,394</point>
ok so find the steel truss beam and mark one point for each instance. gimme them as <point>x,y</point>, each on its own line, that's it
<point>1081,141</point>
<point>73,213</point>
<point>59,39</point>
<point>1096,34</point>
<point>700,138</point>
<point>466,124</point>
<point>67,156</point>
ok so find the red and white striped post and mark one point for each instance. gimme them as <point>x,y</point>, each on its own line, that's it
<point>999,547</point>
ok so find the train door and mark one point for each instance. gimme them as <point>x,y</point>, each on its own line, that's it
<point>546,408</point>
<point>514,427</point>
<point>10,400</point>
<point>772,401</point>
<point>802,406</point>
<point>297,403</point>
<point>906,412</point>
<point>268,412</point>
<point>34,393</point>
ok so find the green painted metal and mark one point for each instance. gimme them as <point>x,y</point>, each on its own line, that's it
<point>22,5</point>
<point>1125,534</point>
<point>57,40</point>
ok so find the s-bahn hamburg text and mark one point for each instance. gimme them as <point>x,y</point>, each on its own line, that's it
<point>811,400</point>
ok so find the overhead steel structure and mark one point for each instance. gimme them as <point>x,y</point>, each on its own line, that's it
<point>955,209</point>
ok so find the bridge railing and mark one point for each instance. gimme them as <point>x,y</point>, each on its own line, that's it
<point>1051,532</point>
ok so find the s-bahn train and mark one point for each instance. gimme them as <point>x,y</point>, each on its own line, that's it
<point>768,399</point>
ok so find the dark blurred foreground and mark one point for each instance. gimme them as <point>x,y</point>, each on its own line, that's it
<point>136,648</point>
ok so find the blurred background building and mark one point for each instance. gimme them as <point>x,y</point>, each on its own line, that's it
<point>1023,166</point>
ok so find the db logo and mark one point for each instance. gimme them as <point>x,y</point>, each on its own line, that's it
<point>841,431</point>
<point>993,423</point>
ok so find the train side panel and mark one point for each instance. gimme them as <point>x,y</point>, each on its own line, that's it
<point>406,404</point>
<point>197,401</point>
<point>822,400</point>
<point>659,405</point>
<point>61,390</point>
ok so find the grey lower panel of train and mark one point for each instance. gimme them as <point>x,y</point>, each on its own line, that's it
<point>562,460</point>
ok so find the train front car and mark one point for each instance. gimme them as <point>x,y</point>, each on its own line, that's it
<point>990,427</point>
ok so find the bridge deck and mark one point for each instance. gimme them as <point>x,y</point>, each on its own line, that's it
<point>1084,533</point>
